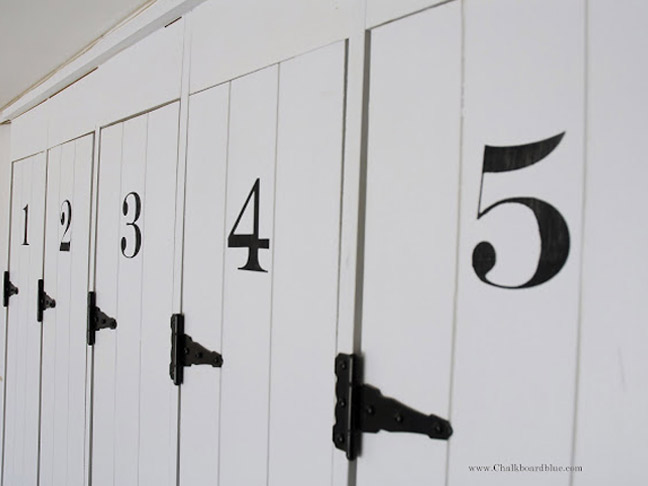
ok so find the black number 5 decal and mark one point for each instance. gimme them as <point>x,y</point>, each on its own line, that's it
<point>250,241</point>
<point>554,233</point>
<point>126,210</point>
<point>66,219</point>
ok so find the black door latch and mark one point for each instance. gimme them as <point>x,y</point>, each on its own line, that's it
<point>363,408</point>
<point>44,301</point>
<point>97,320</point>
<point>186,352</point>
<point>9,289</point>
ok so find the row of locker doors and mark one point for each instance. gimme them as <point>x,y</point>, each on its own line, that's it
<point>261,237</point>
<point>467,289</point>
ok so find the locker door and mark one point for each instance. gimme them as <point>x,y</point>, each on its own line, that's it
<point>23,373</point>
<point>260,274</point>
<point>67,233</point>
<point>134,402</point>
<point>519,252</point>
<point>413,124</point>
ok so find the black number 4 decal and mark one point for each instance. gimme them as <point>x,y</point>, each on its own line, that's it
<point>554,233</point>
<point>250,241</point>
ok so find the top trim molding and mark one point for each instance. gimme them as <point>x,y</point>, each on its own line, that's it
<point>152,18</point>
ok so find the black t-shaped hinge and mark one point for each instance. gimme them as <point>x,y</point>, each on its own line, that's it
<point>9,289</point>
<point>362,408</point>
<point>97,320</point>
<point>186,352</point>
<point>44,301</point>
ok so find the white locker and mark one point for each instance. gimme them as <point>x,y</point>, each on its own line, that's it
<point>459,183</point>
<point>260,273</point>
<point>67,236</point>
<point>23,371</point>
<point>134,401</point>
<point>413,123</point>
<point>515,357</point>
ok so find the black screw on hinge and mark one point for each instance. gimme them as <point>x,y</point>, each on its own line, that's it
<point>9,289</point>
<point>363,408</point>
<point>186,352</point>
<point>97,320</point>
<point>44,301</point>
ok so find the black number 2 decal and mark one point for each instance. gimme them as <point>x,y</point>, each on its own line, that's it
<point>66,220</point>
<point>554,233</point>
<point>136,229</point>
<point>250,241</point>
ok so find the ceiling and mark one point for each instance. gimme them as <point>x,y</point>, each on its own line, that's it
<point>38,36</point>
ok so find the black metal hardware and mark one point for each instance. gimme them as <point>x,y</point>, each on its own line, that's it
<point>44,301</point>
<point>363,408</point>
<point>9,289</point>
<point>97,320</point>
<point>186,352</point>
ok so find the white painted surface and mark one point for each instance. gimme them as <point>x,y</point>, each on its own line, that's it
<point>306,259</point>
<point>130,282</point>
<point>135,404</point>
<point>29,132</point>
<point>245,377</point>
<point>55,158</point>
<point>612,402</point>
<point>24,332</point>
<point>205,239</point>
<point>158,396</point>
<point>380,11</point>
<point>230,39</point>
<point>411,234</point>
<point>105,284</point>
<point>515,362</point>
<point>259,376</point>
<point>63,401</point>
<point>141,77</point>
<point>5,209</point>
<point>515,356</point>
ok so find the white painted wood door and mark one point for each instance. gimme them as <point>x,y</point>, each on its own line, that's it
<point>134,401</point>
<point>459,184</point>
<point>413,153</point>
<point>515,357</point>
<point>67,237</point>
<point>23,372</point>
<point>265,149</point>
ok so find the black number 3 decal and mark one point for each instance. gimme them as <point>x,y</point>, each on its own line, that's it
<point>554,233</point>
<point>66,219</point>
<point>126,209</point>
<point>250,241</point>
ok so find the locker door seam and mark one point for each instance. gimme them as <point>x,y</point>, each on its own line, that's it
<point>583,224</point>
<point>458,232</point>
<point>222,309</point>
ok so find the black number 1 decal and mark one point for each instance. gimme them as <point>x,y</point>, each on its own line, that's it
<point>66,219</point>
<point>133,224</point>
<point>554,233</point>
<point>250,241</point>
<point>26,209</point>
